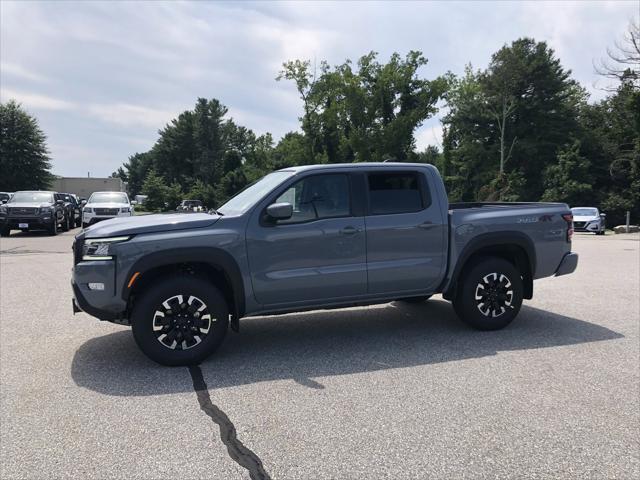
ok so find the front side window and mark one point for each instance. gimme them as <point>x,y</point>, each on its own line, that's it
<point>395,193</point>
<point>318,197</point>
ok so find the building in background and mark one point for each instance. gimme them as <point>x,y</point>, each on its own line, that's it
<point>83,187</point>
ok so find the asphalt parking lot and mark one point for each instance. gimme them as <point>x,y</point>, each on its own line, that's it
<point>389,391</point>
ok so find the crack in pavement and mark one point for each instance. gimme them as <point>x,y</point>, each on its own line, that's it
<point>237,451</point>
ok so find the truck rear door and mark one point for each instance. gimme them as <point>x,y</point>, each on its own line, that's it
<point>405,231</point>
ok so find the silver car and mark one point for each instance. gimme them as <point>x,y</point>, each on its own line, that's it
<point>588,219</point>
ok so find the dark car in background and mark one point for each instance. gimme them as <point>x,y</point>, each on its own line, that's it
<point>32,210</point>
<point>73,209</point>
<point>190,206</point>
<point>5,197</point>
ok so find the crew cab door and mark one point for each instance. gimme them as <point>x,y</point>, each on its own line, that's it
<point>317,255</point>
<point>406,233</point>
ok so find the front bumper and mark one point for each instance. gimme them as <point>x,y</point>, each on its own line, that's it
<point>13,223</point>
<point>568,264</point>
<point>102,304</point>
<point>587,227</point>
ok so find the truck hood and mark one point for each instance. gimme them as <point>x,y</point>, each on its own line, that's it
<point>150,224</point>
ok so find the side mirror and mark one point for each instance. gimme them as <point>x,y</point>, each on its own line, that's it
<point>133,202</point>
<point>4,201</point>
<point>83,202</point>
<point>603,214</point>
<point>280,211</point>
<point>59,202</point>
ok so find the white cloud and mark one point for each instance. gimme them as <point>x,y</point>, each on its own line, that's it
<point>127,115</point>
<point>429,135</point>
<point>13,69</point>
<point>35,100</point>
<point>95,73</point>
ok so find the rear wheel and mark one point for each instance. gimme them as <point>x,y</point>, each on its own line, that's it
<point>5,232</point>
<point>78,221</point>
<point>489,295</point>
<point>66,225</point>
<point>180,321</point>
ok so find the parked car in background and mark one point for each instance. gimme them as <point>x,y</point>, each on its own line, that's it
<point>105,205</point>
<point>310,237</point>
<point>32,210</point>
<point>190,206</point>
<point>72,210</point>
<point>588,219</point>
<point>5,197</point>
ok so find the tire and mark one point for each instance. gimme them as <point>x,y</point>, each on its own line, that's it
<point>600,233</point>
<point>477,286</point>
<point>53,229</point>
<point>78,222</point>
<point>84,225</point>
<point>162,335</point>
<point>5,232</point>
<point>414,300</point>
<point>65,224</point>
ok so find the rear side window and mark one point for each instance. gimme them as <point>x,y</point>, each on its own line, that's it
<point>396,192</point>
<point>317,197</point>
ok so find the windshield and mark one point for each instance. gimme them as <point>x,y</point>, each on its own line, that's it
<point>585,212</point>
<point>108,197</point>
<point>253,193</point>
<point>32,197</point>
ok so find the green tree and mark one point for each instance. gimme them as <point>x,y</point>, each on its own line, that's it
<point>507,124</point>
<point>570,180</point>
<point>156,191</point>
<point>364,113</point>
<point>24,160</point>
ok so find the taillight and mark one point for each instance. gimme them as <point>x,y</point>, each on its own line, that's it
<point>568,217</point>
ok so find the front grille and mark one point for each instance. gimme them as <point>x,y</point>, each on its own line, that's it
<point>16,211</point>
<point>579,224</point>
<point>106,211</point>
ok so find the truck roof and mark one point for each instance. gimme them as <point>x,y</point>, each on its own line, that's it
<point>327,166</point>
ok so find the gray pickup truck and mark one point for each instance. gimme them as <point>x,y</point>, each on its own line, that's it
<point>315,237</point>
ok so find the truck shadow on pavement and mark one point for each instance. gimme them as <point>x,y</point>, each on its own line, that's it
<point>304,346</point>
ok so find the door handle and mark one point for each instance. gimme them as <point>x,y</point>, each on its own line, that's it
<point>349,230</point>
<point>426,225</point>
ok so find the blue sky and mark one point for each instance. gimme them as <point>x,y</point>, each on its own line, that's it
<point>103,78</point>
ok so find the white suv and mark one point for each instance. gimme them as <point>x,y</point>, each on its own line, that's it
<point>106,205</point>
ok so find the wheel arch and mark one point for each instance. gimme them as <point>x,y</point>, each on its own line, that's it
<point>514,247</point>
<point>215,264</point>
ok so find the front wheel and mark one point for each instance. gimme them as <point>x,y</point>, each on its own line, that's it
<point>180,321</point>
<point>53,229</point>
<point>5,231</point>
<point>66,225</point>
<point>489,295</point>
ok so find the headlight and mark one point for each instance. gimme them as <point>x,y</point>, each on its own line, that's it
<point>100,248</point>
<point>125,210</point>
<point>45,209</point>
<point>87,210</point>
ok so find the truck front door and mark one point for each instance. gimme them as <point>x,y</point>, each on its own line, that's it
<point>317,255</point>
